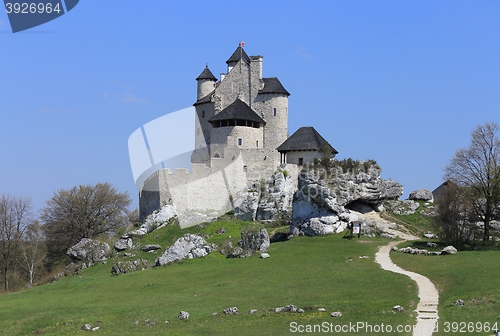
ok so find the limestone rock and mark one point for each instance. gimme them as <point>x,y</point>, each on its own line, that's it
<point>253,311</point>
<point>190,246</point>
<point>264,255</point>
<point>406,207</point>
<point>421,195</point>
<point>122,244</point>
<point>276,197</point>
<point>290,308</point>
<point>231,311</point>
<point>183,315</point>
<point>245,207</point>
<point>459,302</point>
<point>123,267</point>
<point>89,250</point>
<point>255,240</point>
<point>449,250</point>
<point>150,247</point>
<point>323,204</point>
<point>156,220</point>
<point>432,245</point>
<point>336,314</point>
<point>398,308</point>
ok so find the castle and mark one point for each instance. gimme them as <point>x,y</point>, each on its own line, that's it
<point>241,138</point>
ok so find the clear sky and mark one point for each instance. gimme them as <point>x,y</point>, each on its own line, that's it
<point>401,82</point>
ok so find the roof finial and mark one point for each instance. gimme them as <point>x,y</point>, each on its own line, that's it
<point>206,66</point>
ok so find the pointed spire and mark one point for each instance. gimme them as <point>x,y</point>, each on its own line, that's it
<point>206,74</point>
<point>238,54</point>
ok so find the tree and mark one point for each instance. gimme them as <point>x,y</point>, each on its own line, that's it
<point>82,212</point>
<point>15,215</point>
<point>32,250</point>
<point>456,219</point>
<point>476,169</point>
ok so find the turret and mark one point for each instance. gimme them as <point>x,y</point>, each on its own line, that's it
<point>238,54</point>
<point>206,83</point>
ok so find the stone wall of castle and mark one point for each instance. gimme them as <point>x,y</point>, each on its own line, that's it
<point>307,156</point>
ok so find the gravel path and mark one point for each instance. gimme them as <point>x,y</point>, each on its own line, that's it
<point>427,317</point>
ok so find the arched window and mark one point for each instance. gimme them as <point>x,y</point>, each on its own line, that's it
<point>203,114</point>
<point>275,111</point>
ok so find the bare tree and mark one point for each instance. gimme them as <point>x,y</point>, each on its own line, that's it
<point>477,170</point>
<point>15,215</point>
<point>82,212</point>
<point>32,250</point>
<point>456,219</point>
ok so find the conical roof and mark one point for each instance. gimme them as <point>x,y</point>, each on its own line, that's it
<point>237,110</point>
<point>273,85</point>
<point>238,54</point>
<point>305,138</point>
<point>206,74</point>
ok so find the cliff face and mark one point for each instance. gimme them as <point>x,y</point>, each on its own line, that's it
<point>328,200</point>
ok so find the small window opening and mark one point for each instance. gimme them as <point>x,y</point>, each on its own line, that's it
<point>240,141</point>
<point>257,144</point>
<point>275,111</point>
<point>203,114</point>
<point>245,168</point>
<point>301,161</point>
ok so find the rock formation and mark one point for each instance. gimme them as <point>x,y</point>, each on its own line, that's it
<point>421,195</point>
<point>190,246</point>
<point>324,199</point>
<point>89,250</point>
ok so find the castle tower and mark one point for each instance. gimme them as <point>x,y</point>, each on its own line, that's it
<point>206,83</point>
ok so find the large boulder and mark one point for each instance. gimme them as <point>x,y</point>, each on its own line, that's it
<point>421,195</point>
<point>190,246</point>
<point>255,240</point>
<point>122,244</point>
<point>155,221</point>
<point>89,250</point>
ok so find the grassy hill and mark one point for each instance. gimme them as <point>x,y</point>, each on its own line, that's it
<point>309,272</point>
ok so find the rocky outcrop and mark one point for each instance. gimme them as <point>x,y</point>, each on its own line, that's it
<point>272,200</point>
<point>322,203</point>
<point>122,244</point>
<point>156,220</point>
<point>405,208</point>
<point>251,242</point>
<point>190,246</point>
<point>255,240</point>
<point>245,207</point>
<point>421,195</point>
<point>123,267</point>
<point>89,250</point>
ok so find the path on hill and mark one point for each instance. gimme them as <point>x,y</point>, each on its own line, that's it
<point>427,317</point>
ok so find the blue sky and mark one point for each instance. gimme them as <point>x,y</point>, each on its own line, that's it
<point>401,82</point>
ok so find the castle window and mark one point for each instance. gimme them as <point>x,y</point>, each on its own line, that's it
<point>275,111</point>
<point>245,168</point>
<point>240,141</point>
<point>257,144</point>
<point>203,114</point>
<point>301,161</point>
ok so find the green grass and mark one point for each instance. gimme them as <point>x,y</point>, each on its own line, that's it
<point>308,272</point>
<point>416,223</point>
<point>472,276</point>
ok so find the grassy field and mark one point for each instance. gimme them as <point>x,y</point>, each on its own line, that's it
<point>472,276</point>
<point>309,272</point>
